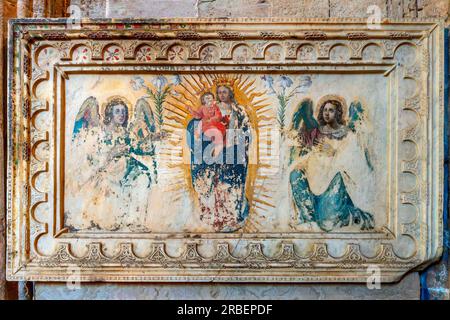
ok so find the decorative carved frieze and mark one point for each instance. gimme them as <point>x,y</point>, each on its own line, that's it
<point>324,117</point>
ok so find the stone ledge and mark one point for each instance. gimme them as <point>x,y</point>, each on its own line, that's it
<point>408,288</point>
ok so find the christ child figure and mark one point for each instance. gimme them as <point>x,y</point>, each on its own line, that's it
<point>213,125</point>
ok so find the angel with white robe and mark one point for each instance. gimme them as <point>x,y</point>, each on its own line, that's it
<point>112,167</point>
<point>331,169</point>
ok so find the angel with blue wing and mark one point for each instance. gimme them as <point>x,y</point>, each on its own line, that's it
<point>331,172</point>
<point>142,135</point>
<point>88,116</point>
<point>114,162</point>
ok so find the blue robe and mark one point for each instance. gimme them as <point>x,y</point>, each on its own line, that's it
<point>333,208</point>
<point>231,174</point>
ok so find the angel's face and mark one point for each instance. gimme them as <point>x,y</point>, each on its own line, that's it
<point>119,114</point>
<point>329,113</point>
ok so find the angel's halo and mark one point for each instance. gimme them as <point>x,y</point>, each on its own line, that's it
<point>122,99</point>
<point>328,97</point>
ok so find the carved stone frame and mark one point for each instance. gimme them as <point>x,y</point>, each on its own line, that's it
<point>239,258</point>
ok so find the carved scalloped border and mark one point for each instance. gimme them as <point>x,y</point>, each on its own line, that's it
<point>226,49</point>
<point>287,257</point>
<point>228,42</point>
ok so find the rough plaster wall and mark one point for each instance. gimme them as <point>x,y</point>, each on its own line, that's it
<point>408,288</point>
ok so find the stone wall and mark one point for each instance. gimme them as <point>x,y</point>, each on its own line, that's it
<point>395,9</point>
<point>408,288</point>
<point>8,9</point>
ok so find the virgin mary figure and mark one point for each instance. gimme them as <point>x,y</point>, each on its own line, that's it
<point>219,179</point>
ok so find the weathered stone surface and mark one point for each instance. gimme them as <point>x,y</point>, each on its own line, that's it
<point>410,9</point>
<point>136,9</point>
<point>151,8</point>
<point>234,8</point>
<point>358,8</point>
<point>408,288</point>
<point>89,8</point>
<point>437,280</point>
<point>24,8</point>
<point>417,8</point>
<point>8,290</point>
<point>396,9</point>
<point>435,8</point>
<point>57,8</point>
<point>38,8</point>
<point>300,8</point>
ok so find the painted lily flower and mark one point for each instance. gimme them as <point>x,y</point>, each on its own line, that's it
<point>159,82</point>
<point>269,83</point>
<point>285,82</point>
<point>137,83</point>
<point>305,83</point>
<point>176,79</point>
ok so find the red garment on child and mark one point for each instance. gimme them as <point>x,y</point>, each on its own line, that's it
<point>212,121</point>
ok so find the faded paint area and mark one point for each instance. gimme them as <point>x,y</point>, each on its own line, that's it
<point>139,156</point>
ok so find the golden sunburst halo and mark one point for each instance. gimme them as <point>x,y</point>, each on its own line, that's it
<point>187,95</point>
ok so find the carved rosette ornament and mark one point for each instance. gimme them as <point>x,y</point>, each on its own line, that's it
<point>263,75</point>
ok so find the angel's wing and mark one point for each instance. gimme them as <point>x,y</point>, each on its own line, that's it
<point>304,114</point>
<point>143,123</point>
<point>88,116</point>
<point>355,115</point>
<point>141,129</point>
<point>357,124</point>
